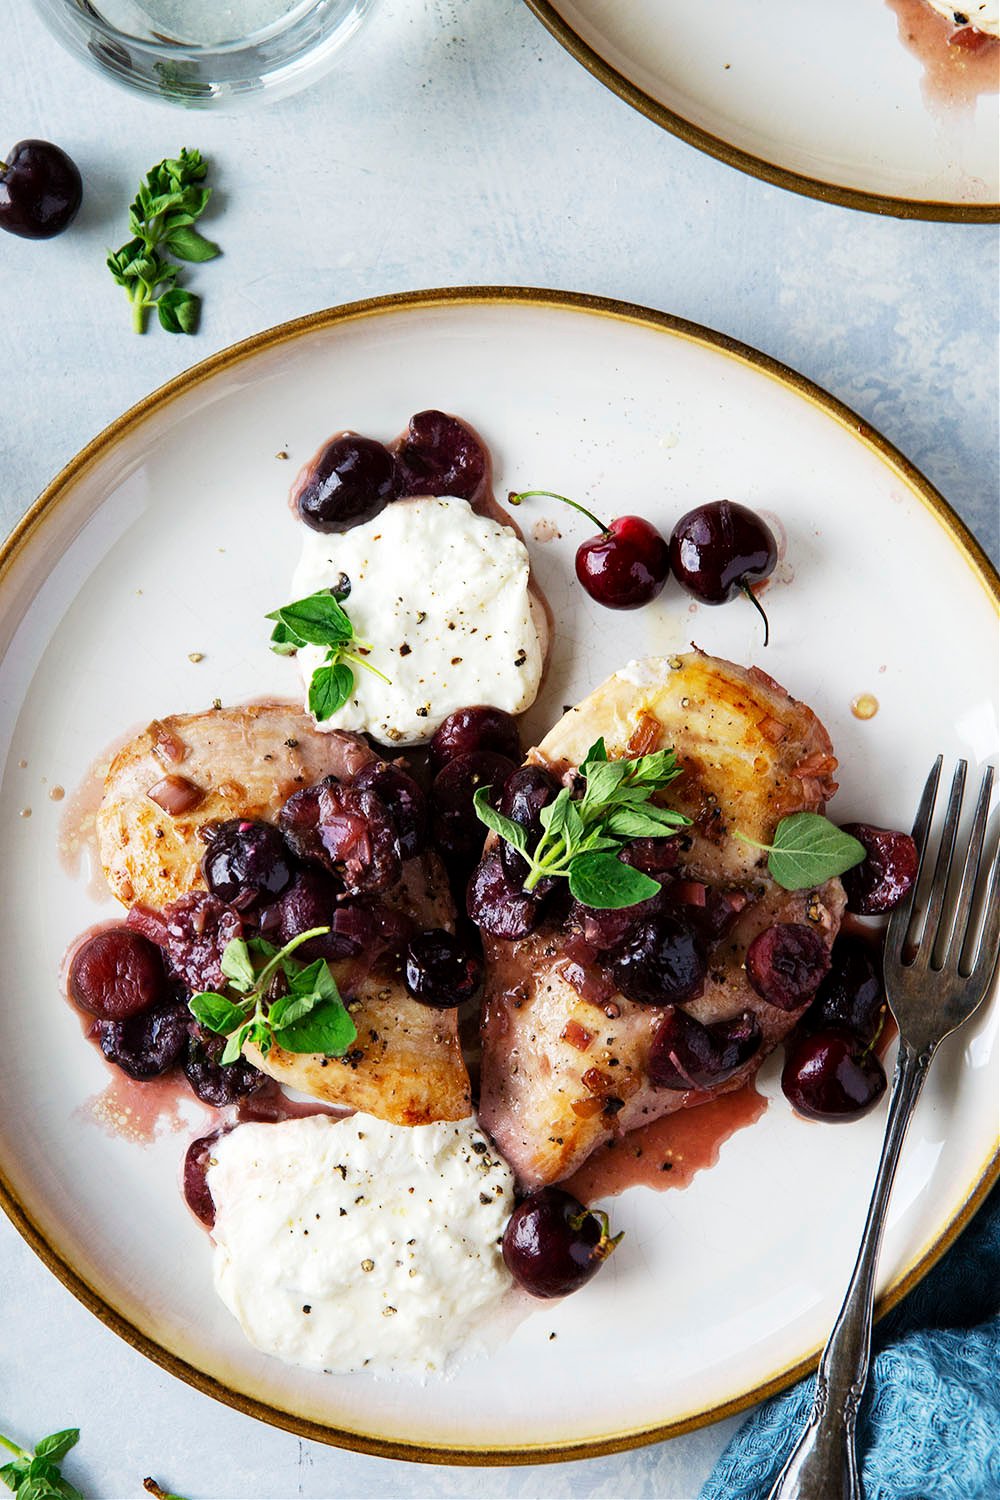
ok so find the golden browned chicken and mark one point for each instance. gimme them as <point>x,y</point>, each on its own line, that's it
<point>189,770</point>
<point>566,1056</point>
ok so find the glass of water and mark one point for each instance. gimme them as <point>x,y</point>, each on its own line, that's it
<point>206,52</point>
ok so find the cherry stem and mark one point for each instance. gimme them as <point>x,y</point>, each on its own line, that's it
<point>515,498</point>
<point>745,587</point>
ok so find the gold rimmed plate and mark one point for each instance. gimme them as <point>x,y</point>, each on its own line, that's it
<point>169,536</point>
<point>866,103</point>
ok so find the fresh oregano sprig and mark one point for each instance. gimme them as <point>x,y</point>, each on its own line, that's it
<point>36,1475</point>
<point>807,850</point>
<point>162,219</point>
<point>581,836</point>
<point>308,1016</point>
<point>320,621</point>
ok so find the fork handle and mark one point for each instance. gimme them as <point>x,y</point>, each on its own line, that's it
<point>823,1464</point>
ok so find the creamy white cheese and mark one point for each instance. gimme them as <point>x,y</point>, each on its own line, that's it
<point>984,15</point>
<point>441,593</point>
<point>355,1244</point>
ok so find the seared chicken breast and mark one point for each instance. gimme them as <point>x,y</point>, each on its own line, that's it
<point>563,1072</point>
<point>406,1064</point>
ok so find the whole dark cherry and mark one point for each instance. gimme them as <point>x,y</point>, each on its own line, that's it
<point>499,908</point>
<point>717,550</point>
<point>526,791</point>
<point>40,190</point>
<point>440,455</point>
<point>885,874</point>
<point>246,862</point>
<point>214,1084</point>
<point>625,566</point>
<point>440,970</point>
<point>457,831</point>
<point>197,1160</point>
<point>404,799</point>
<point>659,962</point>
<point>479,727</point>
<point>116,974</point>
<point>147,1044</point>
<point>851,997</point>
<point>553,1244</point>
<point>347,483</point>
<point>829,1075</point>
<point>785,964</point>
<point>687,1055</point>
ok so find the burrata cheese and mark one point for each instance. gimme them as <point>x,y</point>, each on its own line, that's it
<point>355,1244</point>
<point>441,595</point>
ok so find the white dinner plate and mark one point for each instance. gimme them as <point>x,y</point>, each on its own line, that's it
<point>861,102</point>
<point>170,535</point>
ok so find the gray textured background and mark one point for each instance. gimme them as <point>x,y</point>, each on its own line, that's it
<point>512,165</point>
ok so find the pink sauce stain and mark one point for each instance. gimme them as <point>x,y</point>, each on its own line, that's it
<point>667,1153</point>
<point>959,63</point>
<point>141,1112</point>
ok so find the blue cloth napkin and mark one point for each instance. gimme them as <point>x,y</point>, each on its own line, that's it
<point>930,1423</point>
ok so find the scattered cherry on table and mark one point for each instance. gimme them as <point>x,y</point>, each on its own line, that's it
<point>40,190</point>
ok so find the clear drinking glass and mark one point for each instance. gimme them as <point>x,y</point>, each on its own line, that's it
<point>206,52</point>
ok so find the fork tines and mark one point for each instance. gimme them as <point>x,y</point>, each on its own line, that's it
<point>944,935</point>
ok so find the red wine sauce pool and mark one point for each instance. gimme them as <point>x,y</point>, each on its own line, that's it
<point>667,1153</point>
<point>958,65</point>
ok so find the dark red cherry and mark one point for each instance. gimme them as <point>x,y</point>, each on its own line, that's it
<point>553,1244</point>
<point>440,970</point>
<point>625,565</point>
<point>347,483</point>
<point>197,1160</point>
<point>214,1083</point>
<point>116,974</point>
<point>851,997</point>
<point>526,791</point>
<point>498,907</point>
<point>147,1044</point>
<point>404,799</point>
<point>785,964</point>
<point>40,190</point>
<point>687,1055</point>
<point>659,962</point>
<point>718,550</point>
<point>457,830</point>
<point>246,862</point>
<point>885,874</point>
<point>440,455</point>
<point>479,727</point>
<point>828,1076</point>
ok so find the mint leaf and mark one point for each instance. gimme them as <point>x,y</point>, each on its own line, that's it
<point>215,1012</point>
<point>807,850</point>
<point>13,1474</point>
<point>329,689</point>
<point>315,979</point>
<point>58,1444</point>
<point>317,620</point>
<point>581,835</point>
<point>508,830</point>
<point>177,310</point>
<point>236,964</point>
<point>646,822</point>
<point>327,1028</point>
<point>262,947</point>
<point>187,244</point>
<point>284,641</point>
<point>601,880</point>
<point>234,1044</point>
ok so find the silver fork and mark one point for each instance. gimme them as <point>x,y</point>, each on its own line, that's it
<point>935,977</point>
